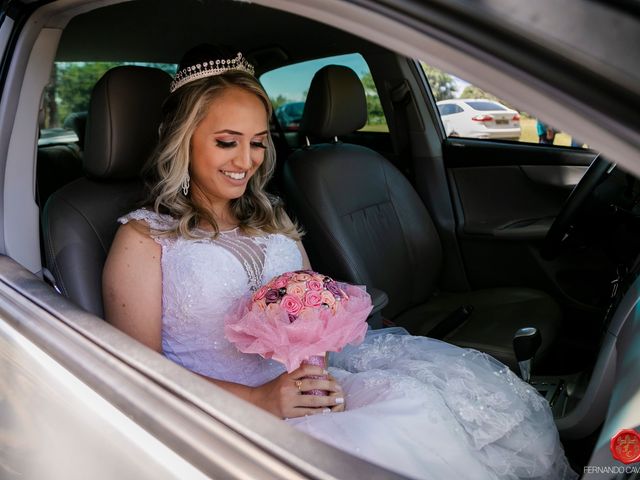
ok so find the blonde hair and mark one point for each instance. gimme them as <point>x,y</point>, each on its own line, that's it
<point>256,211</point>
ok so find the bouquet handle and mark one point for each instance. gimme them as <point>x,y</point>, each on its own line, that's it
<point>320,361</point>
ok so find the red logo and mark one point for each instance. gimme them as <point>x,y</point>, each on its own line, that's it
<point>625,446</point>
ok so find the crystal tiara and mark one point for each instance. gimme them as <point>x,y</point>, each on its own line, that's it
<point>210,68</point>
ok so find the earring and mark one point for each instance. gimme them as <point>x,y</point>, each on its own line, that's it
<point>185,185</point>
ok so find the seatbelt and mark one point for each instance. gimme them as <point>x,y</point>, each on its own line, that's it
<point>401,99</point>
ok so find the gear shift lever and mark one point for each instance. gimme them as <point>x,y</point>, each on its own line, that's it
<point>526,342</point>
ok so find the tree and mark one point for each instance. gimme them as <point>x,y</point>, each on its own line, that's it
<point>49,104</point>
<point>442,84</point>
<point>74,82</point>
<point>471,91</point>
<point>279,100</point>
<point>374,107</point>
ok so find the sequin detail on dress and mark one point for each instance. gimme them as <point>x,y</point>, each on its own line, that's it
<point>249,252</point>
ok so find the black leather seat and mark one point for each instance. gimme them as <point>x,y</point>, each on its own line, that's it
<point>80,220</point>
<point>56,166</point>
<point>366,224</point>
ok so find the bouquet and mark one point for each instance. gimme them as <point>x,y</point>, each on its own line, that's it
<point>298,317</point>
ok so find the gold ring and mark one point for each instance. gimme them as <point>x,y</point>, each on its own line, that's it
<point>299,385</point>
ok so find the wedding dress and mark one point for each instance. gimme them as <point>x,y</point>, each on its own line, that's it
<point>418,406</point>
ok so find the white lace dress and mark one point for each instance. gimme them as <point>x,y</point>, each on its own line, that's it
<point>418,406</point>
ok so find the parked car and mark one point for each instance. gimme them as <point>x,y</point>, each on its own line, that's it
<point>289,116</point>
<point>479,118</point>
<point>80,399</point>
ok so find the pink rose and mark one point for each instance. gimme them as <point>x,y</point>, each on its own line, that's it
<point>315,285</point>
<point>301,277</point>
<point>272,295</point>
<point>280,282</point>
<point>312,298</point>
<point>291,304</point>
<point>327,298</point>
<point>296,289</point>
<point>260,293</point>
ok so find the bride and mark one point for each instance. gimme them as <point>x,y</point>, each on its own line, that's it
<point>209,233</point>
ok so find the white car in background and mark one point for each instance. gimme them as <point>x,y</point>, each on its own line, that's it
<point>479,118</point>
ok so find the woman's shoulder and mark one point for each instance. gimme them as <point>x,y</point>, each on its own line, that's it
<point>156,221</point>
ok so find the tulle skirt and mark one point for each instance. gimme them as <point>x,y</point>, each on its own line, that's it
<point>428,409</point>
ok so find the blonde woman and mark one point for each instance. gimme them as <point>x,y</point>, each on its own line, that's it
<point>209,234</point>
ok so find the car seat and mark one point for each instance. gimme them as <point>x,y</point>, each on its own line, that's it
<point>366,224</point>
<point>80,219</point>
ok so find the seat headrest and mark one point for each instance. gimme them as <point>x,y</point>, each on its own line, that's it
<point>123,120</point>
<point>336,103</point>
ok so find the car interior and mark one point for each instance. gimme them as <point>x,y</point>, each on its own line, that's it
<point>486,244</point>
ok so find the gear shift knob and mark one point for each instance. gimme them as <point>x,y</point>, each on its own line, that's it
<point>526,343</point>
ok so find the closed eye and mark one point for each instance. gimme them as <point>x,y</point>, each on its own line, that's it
<point>223,144</point>
<point>258,145</point>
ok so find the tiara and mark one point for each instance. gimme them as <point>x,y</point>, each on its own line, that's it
<point>210,68</point>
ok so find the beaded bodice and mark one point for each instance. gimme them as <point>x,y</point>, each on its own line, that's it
<point>201,280</point>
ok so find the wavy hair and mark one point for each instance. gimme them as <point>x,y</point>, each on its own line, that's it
<point>257,211</point>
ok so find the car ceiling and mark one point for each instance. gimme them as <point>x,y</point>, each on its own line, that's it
<point>162,30</point>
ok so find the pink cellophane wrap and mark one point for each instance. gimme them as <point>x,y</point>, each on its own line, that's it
<point>271,334</point>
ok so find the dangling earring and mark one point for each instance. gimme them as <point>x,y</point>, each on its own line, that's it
<point>185,185</point>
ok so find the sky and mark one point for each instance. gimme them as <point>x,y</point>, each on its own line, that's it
<point>292,82</point>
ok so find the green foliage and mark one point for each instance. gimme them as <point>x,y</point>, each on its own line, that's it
<point>471,91</point>
<point>442,84</point>
<point>71,84</point>
<point>279,100</point>
<point>74,82</point>
<point>374,107</point>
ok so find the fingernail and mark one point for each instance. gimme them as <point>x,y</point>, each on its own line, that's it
<point>326,410</point>
<point>339,400</point>
<point>325,372</point>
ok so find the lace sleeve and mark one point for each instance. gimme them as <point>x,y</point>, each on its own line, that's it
<point>158,222</point>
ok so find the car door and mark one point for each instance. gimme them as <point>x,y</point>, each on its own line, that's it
<point>503,197</point>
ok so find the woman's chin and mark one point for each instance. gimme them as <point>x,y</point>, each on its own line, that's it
<point>235,193</point>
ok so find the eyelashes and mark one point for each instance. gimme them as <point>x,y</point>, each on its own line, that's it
<point>223,144</point>
<point>232,144</point>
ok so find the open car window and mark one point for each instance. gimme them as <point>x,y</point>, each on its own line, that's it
<point>467,111</point>
<point>288,87</point>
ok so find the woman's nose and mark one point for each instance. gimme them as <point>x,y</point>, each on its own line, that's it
<point>243,159</point>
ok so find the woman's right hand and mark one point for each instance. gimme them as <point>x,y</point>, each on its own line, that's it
<point>284,395</point>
